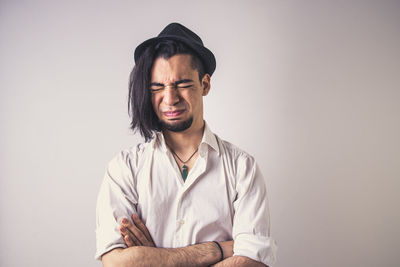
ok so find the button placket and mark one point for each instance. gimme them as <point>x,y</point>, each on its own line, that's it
<point>180,218</point>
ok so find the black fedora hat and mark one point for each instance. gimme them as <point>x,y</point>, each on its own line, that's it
<point>178,32</point>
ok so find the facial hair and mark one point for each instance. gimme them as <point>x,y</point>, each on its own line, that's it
<point>177,127</point>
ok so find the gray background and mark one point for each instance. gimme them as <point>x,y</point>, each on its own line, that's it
<point>310,88</point>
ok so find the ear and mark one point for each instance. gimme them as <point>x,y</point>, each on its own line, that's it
<point>205,83</point>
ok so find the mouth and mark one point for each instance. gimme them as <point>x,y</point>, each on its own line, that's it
<point>173,114</point>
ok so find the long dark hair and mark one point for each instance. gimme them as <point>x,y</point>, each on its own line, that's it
<point>140,108</point>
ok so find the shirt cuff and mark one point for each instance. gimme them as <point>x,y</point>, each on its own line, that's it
<point>107,241</point>
<point>100,253</point>
<point>258,248</point>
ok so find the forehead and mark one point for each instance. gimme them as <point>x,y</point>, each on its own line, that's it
<point>175,68</point>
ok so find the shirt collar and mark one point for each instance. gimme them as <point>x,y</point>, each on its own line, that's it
<point>159,142</point>
<point>208,139</point>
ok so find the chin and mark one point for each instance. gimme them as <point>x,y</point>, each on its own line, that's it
<point>177,125</point>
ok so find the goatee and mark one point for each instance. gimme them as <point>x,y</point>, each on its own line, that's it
<point>177,127</point>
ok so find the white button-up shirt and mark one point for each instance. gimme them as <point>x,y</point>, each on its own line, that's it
<point>224,197</point>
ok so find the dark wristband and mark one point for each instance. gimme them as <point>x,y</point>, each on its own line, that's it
<point>220,249</point>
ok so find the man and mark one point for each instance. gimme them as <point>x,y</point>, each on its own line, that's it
<point>185,197</point>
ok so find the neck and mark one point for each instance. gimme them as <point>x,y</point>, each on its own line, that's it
<point>186,141</point>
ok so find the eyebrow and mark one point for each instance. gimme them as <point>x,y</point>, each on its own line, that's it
<point>183,81</point>
<point>156,84</point>
<point>175,83</point>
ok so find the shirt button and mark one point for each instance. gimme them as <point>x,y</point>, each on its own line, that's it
<point>181,222</point>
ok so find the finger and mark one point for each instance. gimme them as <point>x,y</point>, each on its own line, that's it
<point>124,230</point>
<point>142,227</point>
<point>136,232</point>
<point>135,240</point>
<point>128,241</point>
<point>127,234</point>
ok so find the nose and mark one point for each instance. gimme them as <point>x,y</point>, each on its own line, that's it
<point>171,95</point>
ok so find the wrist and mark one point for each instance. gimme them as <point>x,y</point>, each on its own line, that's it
<point>203,254</point>
<point>221,252</point>
<point>227,248</point>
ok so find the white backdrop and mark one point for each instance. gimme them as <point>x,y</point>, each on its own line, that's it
<point>310,88</point>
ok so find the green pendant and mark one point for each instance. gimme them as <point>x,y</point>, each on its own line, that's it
<point>184,172</point>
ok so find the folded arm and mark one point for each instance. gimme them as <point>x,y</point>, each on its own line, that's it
<point>141,250</point>
<point>204,254</point>
<point>239,261</point>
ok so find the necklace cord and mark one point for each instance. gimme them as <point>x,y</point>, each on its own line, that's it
<point>184,167</point>
<point>184,162</point>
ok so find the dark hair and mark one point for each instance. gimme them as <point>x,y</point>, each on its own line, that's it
<point>140,108</point>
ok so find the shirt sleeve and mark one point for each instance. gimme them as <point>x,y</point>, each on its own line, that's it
<point>251,226</point>
<point>117,199</point>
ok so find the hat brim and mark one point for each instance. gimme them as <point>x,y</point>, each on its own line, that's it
<point>206,56</point>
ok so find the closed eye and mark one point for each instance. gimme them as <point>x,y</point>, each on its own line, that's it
<point>185,85</point>
<point>156,89</point>
<point>181,84</point>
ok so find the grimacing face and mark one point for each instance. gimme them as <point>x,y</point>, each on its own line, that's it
<point>177,93</point>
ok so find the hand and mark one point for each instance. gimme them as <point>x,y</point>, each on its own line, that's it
<point>136,233</point>
<point>227,248</point>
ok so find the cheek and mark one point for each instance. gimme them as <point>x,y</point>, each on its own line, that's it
<point>195,100</point>
<point>191,97</point>
<point>154,102</point>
